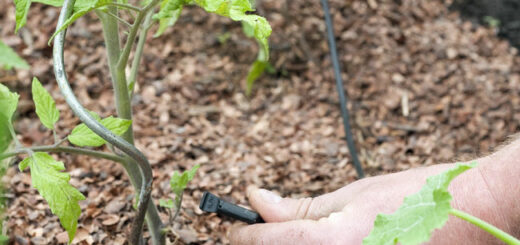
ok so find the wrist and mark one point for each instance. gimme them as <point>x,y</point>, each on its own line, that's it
<point>501,173</point>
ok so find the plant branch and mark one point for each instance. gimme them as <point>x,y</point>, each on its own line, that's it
<point>500,234</point>
<point>178,205</point>
<point>126,6</point>
<point>125,54</point>
<point>65,149</point>
<point>13,135</point>
<point>95,126</point>
<point>139,52</point>
<point>118,18</point>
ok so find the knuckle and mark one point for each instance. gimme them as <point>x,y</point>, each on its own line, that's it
<point>305,206</point>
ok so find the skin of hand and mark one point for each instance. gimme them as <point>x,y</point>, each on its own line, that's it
<point>490,192</point>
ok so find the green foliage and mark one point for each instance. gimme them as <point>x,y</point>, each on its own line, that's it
<point>166,203</point>
<point>5,135</point>
<point>237,11</point>
<point>9,102</point>
<point>54,186</point>
<point>81,7</point>
<point>420,213</point>
<point>492,21</point>
<point>9,58</point>
<point>257,69</point>
<point>179,181</point>
<point>80,11</point>
<point>45,105</point>
<point>81,135</point>
<point>254,26</point>
<point>22,8</point>
<point>168,14</point>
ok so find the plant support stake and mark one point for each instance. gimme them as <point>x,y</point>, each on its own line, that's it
<point>95,126</point>
<point>341,92</point>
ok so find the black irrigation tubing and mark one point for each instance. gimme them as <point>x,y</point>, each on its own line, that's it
<point>341,92</point>
<point>85,117</point>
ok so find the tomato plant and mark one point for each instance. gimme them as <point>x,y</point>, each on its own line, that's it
<point>47,172</point>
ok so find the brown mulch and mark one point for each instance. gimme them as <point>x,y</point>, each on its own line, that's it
<point>424,87</point>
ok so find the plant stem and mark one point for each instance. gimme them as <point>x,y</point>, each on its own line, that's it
<point>178,205</point>
<point>13,135</point>
<point>139,159</point>
<point>139,52</point>
<point>500,234</point>
<point>66,149</point>
<point>124,109</point>
<point>125,54</point>
<point>111,35</point>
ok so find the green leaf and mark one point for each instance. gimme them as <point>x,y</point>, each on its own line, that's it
<point>166,203</point>
<point>80,11</point>
<point>252,25</point>
<point>81,135</point>
<point>237,11</point>
<point>168,14</point>
<point>8,102</point>
<point>9,58</point>
<point>178,182</point>
<point>257,69</point>
<point>22,8</point>
<point>5,134</point>
<point>420,213</point>
<point>45,105</point>
<point>54,186</point>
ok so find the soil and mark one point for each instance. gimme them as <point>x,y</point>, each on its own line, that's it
<point>425,86</point>
<point>505,11</point>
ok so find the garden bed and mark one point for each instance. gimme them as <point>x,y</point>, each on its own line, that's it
<point>424,86</point>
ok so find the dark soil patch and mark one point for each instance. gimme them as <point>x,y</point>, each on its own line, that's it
<point>505,11</point>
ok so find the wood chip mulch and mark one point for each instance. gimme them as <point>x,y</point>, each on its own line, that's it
<point>424,87</point>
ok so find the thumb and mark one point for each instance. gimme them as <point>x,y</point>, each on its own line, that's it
<point>274,208</point>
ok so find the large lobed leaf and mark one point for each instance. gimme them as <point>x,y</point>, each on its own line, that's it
<point>9,58</point>
<point>420,213</point>
<point>54,186</point>
<point>45,105</point>
<point>81,135</point>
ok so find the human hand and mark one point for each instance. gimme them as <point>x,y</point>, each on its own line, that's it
<point>347,215</point>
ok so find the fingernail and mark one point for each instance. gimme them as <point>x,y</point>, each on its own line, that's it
<point>269,196</point>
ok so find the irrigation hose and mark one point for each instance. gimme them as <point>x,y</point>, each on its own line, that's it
<point>90,122</point>
<point>341,93</point>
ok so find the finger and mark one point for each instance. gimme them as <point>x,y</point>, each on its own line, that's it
<point>274,208</point>
<point>292,232</point>
<point>347,227</point>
